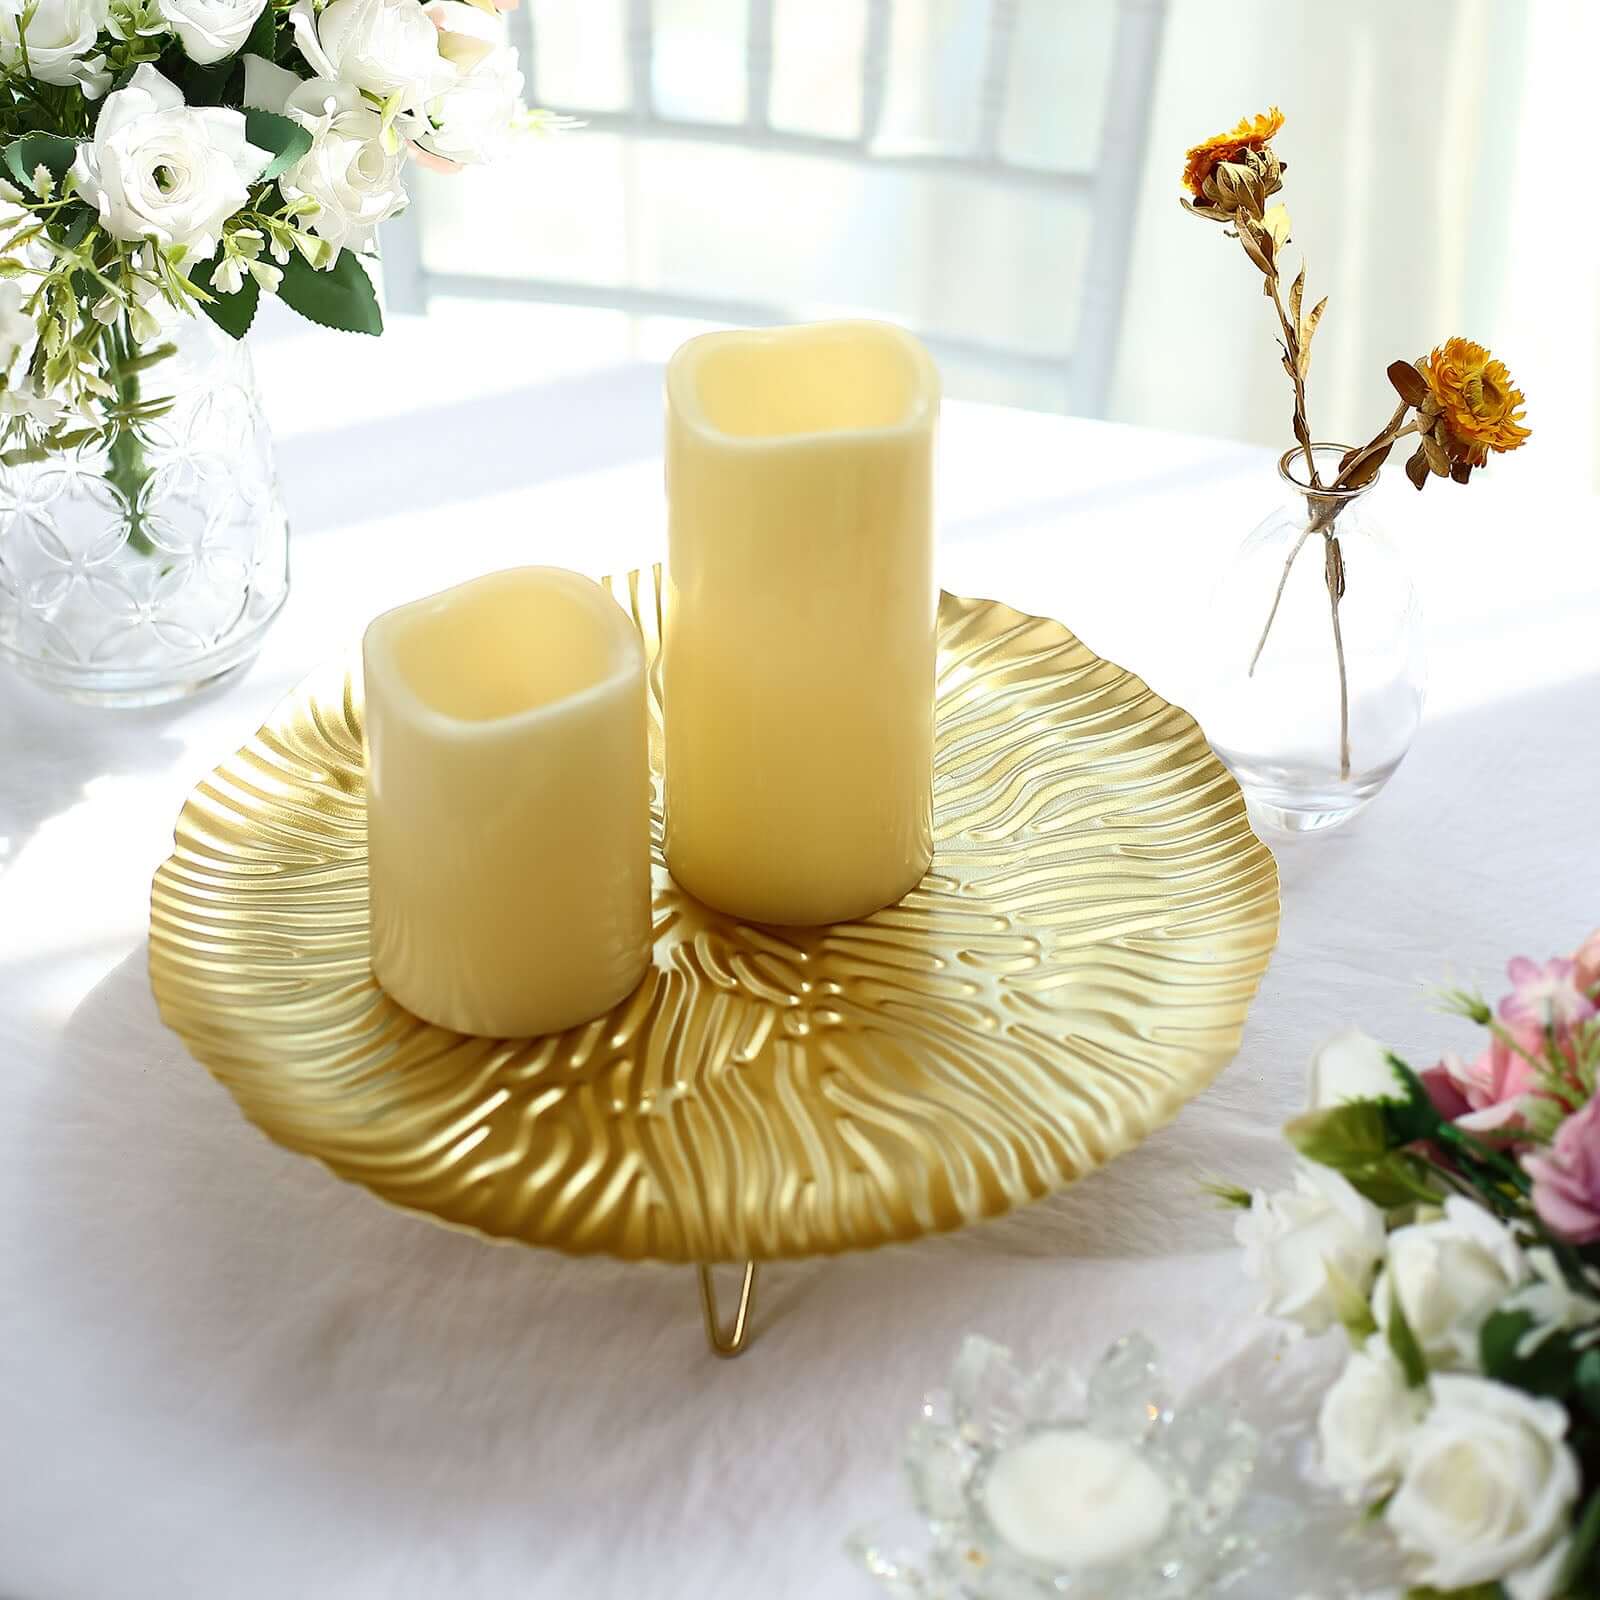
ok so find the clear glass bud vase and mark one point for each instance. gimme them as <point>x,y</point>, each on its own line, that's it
<point>1315,639</point>
<point>144,550</point>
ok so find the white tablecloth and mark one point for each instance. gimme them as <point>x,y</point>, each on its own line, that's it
<point>224,1373</point>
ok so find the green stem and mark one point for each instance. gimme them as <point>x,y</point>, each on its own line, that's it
<point>129,470</point>
<point>1418,1188</point>
<point>1333,570</point>
<point>1485,1156</point>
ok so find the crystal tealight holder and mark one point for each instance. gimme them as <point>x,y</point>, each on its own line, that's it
<point>1051,1485</point>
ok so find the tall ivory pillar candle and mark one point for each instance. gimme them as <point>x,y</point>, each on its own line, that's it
<point>508,803</point>
<point>798,659</point>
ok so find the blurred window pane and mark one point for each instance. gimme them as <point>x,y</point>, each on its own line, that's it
<point>698,60</point>
<point>937,53</point>
<point>553,210</point>
<point>817,59</point>
<point>951,254</point>
<point>1059,74</point>
<point>580,54</point>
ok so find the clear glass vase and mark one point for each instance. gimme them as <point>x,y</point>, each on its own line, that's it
<point>1315,637</point>
<point>143,555</point>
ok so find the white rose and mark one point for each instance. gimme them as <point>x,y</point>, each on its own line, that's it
<point>1538,1582</point>
<point>1367,1419</point>
<point>27,397</point>
<point>464,34</point>
<point>1488,1483</point>
<point>211,30</point>
<point>470,120</point>
<point>1313,1248</point>
<point>1352,1065</point>
<point>355,181</point>
<point>61,36</point>
<point>386,48</point>
<point>160,170</point>
<point>16,326</point>
<point>1553,1304</point>
<point>20,394</point>
<point>1370,1594</point>
<point>1449,1275</point>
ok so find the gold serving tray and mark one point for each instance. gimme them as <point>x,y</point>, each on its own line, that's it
<point>1075,967</point>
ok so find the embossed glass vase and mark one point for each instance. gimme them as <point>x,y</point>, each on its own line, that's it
<point>143,555</point>
<point>1314,639</point>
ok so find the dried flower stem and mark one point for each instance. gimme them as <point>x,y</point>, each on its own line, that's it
<point>1465,402</point>
<point>1277,600</point>
<point>1291,340</point>
<point>1333,570</point>
<point>1326,514</point>
<point>1384,438</point>
<point>1319,522</point>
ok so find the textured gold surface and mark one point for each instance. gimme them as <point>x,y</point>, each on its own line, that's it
<point>1076,965</point>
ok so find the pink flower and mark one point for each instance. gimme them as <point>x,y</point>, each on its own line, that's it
<point>1586,964</point>
<point>1545,997</point>
<point>426,158</point>
<point>1566,1177</point>
<point>1448,1100</point>
<point>1494,1084</point>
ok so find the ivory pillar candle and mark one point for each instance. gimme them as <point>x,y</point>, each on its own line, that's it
<point>798,658</point>
<point>508,803</point>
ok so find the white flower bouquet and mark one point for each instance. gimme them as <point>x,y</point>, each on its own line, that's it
<point>162,157</point>
<point>1449,1221</point>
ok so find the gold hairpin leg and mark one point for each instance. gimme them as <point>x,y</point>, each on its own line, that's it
<point>731,1341</point>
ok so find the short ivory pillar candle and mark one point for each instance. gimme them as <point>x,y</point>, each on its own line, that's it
<point>508,803</point>
<point>1070,1499</point>
<point>798,659</point>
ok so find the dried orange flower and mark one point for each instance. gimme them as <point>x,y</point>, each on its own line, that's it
<point>1472,406</point>
<point>1246,142</point>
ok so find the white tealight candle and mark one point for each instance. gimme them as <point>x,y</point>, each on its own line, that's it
<point>1071,1499</point>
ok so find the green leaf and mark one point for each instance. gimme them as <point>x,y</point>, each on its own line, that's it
<point>342,297</point>
<point>283,136</point>
<point>233,313</point>
<point>81,223</point>
<point>1350,1305</point>
<point>1479,1591</point>
<point>1415,1118</point>
<point>1546,1371</point>
<point>1581,1552</point>
<point>262,40</point>
<point>147,358</point>
<point>1342,1137</point>
<point>1586,1379</point>
<point>1379,1507</point>
<point>22,157</point>
<point>1404,1344</point>
<point>1355,1141</point>
<point>201,85</point>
